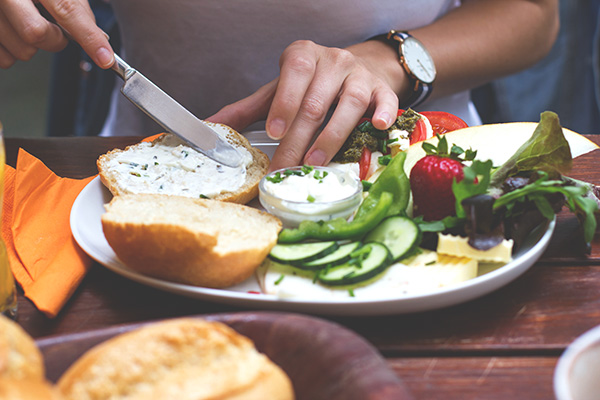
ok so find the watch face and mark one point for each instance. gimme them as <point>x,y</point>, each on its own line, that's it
<point>418,60</point>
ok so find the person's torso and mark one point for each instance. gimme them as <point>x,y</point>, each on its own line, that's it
<point>207,54</point>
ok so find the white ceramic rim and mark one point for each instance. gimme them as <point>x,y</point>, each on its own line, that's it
<point>562,372</point>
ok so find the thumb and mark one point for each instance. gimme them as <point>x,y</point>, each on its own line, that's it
<point>248,110</point>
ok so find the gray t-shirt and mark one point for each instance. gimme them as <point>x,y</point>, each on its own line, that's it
<point>207,54</point>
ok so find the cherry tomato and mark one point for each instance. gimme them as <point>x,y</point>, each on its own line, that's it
<point>364,163</point>
<point>443,122</point>
<point>419,133</point>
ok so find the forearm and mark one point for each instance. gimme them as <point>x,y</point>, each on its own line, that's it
<point>478,42</point>
<point>487,39</point>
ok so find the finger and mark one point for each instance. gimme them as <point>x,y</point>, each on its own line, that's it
<point>31,28</point>
<point>248,110</point>
<point>298,66</point>
<point>314,108</point>
<point>386,110</point>
<point>353,103</point>
<point>78,20</point>
<point>12,43</point>
<point>6,59</point>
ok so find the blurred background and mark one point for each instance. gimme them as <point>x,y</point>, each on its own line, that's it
<point>24,97</point>
<point>68,95</point>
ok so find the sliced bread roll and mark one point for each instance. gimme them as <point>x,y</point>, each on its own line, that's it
<point>182,359</point>
<point>194,241</point>
<point>168,166</point>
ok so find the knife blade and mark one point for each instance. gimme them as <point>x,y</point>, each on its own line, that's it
<point>173,117</point>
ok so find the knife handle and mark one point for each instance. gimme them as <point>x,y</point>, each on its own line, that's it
<point>122,68</point>
<point>119,66</point>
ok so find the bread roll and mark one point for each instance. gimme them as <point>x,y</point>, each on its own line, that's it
<point>28,389</point>
<point>194,241</point>
<point>180,359</point>
<point>168,166</point>
<point>19,356</point>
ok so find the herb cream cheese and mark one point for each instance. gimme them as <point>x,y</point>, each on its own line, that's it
<point>171,167</point>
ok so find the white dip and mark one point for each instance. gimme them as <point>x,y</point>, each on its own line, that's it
<point>323,193</point>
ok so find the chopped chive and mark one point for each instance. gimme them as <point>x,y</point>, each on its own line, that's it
<point>202,196</point>
<point>278,281</point>
<point>351,292</point>
<point>136,174</point>
<point>384,160</point>
<point>310,199</point>
<point>307,169</point>
<point>277,178</point>
<point>430,263</point>
<point>366,185</point>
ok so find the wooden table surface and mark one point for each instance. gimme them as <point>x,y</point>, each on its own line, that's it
<point>503,345</point>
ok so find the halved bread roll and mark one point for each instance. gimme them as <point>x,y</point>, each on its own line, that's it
<point>168,166</point>
<point>194,241</point>
<point>182,359</point>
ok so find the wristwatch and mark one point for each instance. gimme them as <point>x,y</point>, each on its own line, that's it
<point>418,64</point>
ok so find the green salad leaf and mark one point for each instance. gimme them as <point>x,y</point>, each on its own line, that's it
<point>547,150</point>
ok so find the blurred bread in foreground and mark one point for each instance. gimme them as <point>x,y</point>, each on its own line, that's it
<point>169,166</point>
<point>22,374</point>
<point>193,241</point>
<point>28,389</point>
<point>180,359</point>
<point>19,356</point>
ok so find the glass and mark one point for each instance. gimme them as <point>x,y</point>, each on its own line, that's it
<point>8,291</point>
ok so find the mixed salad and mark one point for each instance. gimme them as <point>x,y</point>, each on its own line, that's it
<point>452,200</point>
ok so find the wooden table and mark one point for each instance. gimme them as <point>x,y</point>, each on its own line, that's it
<point>503,345</point>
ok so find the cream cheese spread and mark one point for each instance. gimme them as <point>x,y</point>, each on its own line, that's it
<point>171,167</point>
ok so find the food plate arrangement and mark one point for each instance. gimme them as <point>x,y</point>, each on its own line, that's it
<point>87,230</point>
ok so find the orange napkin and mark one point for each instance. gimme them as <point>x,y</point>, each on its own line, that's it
<point>45,259</point>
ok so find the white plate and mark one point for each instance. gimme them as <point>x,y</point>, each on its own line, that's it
<point>87,230</point>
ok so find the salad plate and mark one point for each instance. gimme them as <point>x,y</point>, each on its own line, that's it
<point>87,230</point>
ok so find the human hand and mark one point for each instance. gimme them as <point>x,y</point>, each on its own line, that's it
<point>24,31</point>
<point>312,79</point>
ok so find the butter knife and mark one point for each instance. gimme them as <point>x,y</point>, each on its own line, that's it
<point>173,117</point>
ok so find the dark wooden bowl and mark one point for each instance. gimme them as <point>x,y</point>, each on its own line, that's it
<point>324,360</point>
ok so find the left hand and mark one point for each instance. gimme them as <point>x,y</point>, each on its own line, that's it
<point>312,79</point>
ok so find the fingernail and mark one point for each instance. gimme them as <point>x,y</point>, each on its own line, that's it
<point>317,157</point>
<point>105,57</point>
<point>386,118</point>
<point>276,128</point>
<point>106,35</point>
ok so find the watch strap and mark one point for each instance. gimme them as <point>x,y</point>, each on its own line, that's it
<point>421,90</point>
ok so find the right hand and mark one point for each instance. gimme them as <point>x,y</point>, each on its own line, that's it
<point>24,31</point>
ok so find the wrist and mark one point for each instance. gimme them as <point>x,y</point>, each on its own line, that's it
<point>417,63</point>
<point>381,58</point>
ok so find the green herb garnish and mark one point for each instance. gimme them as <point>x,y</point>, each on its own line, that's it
<point>277,178</point>
<point>384,160</point>
<point>278,281</point>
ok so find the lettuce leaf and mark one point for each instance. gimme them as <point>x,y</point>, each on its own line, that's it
<point>547,150</point>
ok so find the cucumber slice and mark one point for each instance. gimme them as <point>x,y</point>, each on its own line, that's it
<point>399,234</point>
<point>302,252</point>
<point>377,260</point>
<point>342,254</point>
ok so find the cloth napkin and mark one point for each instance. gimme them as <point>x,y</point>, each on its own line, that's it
<point>44,257</point>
